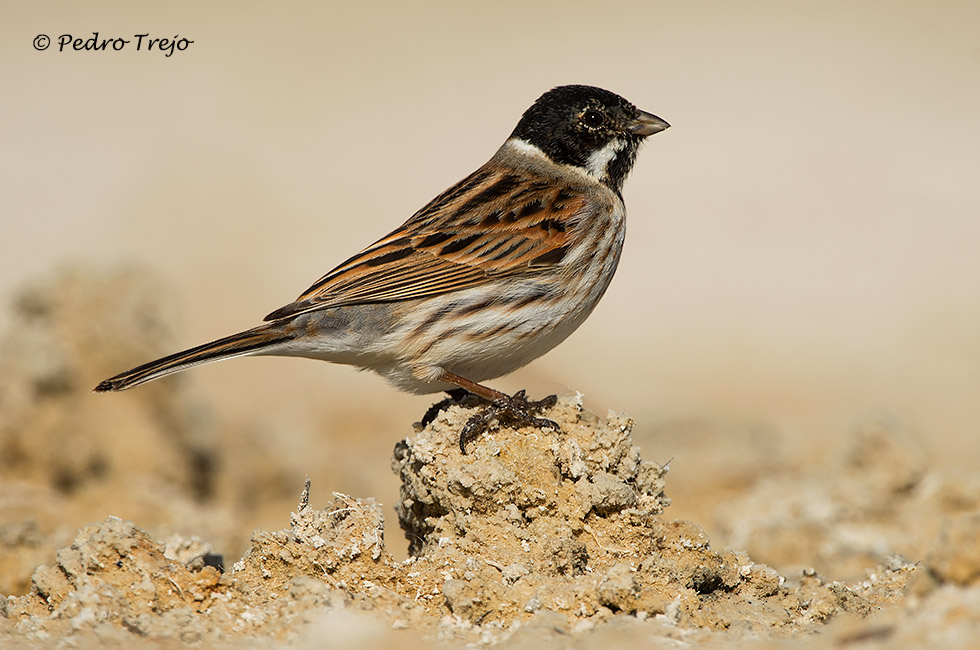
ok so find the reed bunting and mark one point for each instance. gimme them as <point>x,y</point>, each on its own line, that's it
<point>491,274</point>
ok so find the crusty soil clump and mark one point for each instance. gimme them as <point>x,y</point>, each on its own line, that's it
<point>532,525</point>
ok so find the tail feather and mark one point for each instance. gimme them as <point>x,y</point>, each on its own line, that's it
<point>236,345</point>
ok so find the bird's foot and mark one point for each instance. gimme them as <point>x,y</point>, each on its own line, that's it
<point>510,411</point>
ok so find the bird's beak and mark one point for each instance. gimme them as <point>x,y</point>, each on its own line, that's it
<point>648,124</point>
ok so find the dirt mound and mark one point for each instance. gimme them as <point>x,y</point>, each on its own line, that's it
<point>533,524</point>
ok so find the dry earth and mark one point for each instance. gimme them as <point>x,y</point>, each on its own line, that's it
<point>536,538</point>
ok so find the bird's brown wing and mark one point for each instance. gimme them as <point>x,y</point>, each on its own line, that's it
<point>493,223</point>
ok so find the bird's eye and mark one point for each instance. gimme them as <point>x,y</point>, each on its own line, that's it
<point>593,119</point>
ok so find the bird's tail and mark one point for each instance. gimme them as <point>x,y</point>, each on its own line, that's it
<point>237,345</point>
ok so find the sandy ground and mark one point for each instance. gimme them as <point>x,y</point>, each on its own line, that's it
<point>536,538</point>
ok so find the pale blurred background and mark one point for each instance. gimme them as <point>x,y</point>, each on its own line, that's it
<point>803,248</point>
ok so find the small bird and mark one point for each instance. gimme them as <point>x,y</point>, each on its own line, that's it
<point>491,274</point>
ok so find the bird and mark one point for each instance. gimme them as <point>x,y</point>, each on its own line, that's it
<point>489,275</point>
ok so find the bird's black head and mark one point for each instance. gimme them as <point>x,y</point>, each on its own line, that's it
<point>591,128</point>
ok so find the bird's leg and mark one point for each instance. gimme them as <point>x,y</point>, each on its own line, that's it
<point>512,411</point>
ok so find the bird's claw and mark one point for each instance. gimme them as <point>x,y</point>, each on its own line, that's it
<point>456,396</point>
<point>513,412</point>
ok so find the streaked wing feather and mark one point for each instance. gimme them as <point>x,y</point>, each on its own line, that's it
<point>491,224</point>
